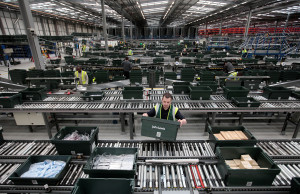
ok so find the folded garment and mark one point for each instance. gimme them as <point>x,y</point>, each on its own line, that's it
<point>46,169</point>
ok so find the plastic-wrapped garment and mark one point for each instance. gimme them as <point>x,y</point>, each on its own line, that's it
<point>78,137</point>
<point>46,169</point>
<point>113,162</point>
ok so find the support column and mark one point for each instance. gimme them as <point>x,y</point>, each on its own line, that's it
<point>159,32</point>
<point>205,28</point>
<point>2,27</point>
<point>189,33</point>
<point>55,27</point>
<point>131,31</point>
<point>220,30</point>
<point>286,21</point>
<point>248,24</point>
<point>174,32</point>
<point>31,34</point>
<point>67,28</point>
<point>43,27</point>
<point>276,25</point>
<point>196,32</point>
<point>123,30</point>
<point>104,25</point>
<point>49,27</point>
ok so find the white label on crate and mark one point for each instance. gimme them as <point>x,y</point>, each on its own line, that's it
<point>157,127</point>
<point>34,182</point>
<point>73,152</point>
<point>158,134</point>
<point>249,184</point>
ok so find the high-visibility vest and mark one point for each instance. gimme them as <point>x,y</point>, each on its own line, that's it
<point>130,52</point>
<point>171,114</point>
<point>83,75</point>
<point>233,76</point>
<point>244,51</point>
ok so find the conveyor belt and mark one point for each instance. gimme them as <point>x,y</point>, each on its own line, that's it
<point>23,149</point>
<point>177,177</point>
<point>143,106</point>
<point>162,149</point>
<point>288,170</point>
<point>281,149</point>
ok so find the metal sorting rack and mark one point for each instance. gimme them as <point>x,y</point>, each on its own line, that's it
<point>141,106</point>
<point>163,149</point>
<point>281,149</point>
<point>288,171</point>
<point>6,169</point>
<point>22,149</point>
<point>152,177</point>
<point>177,177</point>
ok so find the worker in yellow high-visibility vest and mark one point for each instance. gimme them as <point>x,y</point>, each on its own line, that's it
<point>82,76</point>
<point>130,53</point>
<point>166,110</point>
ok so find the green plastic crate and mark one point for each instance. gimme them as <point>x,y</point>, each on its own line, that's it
<point>246,177</point>
<point>159,128</point>
<point>72,147</point>
<point>16,178</point>
<point>230,92</point>
<point>110,173</point>
<point>213,85</point>
<point>296,94</point>
<point>132,93</point>
<point>233,83</point>
<point>9,100</point>
<point>295,185</point>
<point>245,102</point>
<point>91,96</point>
<point>103,186</point>
<point>200,92</point>
<point>277,92</point>
<point>34,93</point>
<point>252,84</point>
<point>214,142</point>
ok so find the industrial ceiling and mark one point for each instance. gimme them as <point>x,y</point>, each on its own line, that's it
<point>153,13</point>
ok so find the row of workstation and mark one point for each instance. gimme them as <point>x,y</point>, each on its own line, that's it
<point>114,101</point>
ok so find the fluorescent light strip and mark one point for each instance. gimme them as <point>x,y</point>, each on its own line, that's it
<point>168,10</point>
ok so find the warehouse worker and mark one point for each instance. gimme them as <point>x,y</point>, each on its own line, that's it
<point>244,53</point>
<point>228,67</point>
<point>127,66</point>
<point>82,76</point>
<point>130,53</point>
<point>166,110</point>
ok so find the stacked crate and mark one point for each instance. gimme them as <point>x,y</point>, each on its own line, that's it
<point>187,74</point>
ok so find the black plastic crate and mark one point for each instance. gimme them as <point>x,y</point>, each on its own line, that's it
<point>110,173</point>
<point>230,92</point>
<point>246,177</point>
<point>103,186</point>
<point>200,92</point>
<point>34,93</point>
<point>245,102</point>
<point>214,142</point>
<point>18,180</point>
<point>9,100</point>
<point>72,147</point>
<point>277,92</point>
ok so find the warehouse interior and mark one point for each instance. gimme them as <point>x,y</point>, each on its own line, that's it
<point>78,76</point>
